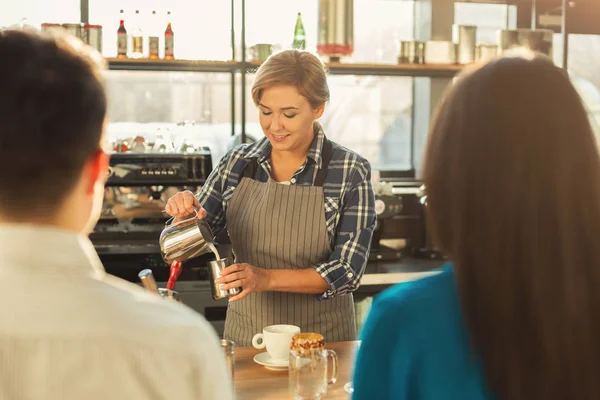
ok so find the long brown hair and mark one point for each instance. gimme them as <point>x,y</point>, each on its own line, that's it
<point>512,176</point>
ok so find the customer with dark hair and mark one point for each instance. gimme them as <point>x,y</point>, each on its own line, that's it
<point>512,177</point>
<point>67,329</point>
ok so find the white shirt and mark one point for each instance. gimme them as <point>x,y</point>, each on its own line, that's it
<point>69,331</point>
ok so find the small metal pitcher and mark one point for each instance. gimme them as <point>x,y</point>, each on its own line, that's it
<point>186,239</point>
<point>214,270</point>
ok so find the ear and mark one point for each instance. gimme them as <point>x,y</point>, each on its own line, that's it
<point>97,169</point>
<point>317,112</point>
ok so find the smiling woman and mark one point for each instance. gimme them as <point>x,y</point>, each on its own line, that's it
<point>298,208</point>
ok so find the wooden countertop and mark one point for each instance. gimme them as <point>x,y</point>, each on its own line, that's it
<point>255,382</point>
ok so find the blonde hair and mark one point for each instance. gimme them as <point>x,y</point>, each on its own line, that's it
<point>298,68</point>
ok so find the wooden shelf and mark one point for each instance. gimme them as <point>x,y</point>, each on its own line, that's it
<point>132,64</point>
<point>415,70</point>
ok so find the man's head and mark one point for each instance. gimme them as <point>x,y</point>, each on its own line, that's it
<point>52,112</point>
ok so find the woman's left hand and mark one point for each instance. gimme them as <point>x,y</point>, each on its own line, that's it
<point>248,277</point>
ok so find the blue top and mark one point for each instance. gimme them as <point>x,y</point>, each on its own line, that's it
<point>415,346</point>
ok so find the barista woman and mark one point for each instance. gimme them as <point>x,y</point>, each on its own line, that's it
<point>299,210</point>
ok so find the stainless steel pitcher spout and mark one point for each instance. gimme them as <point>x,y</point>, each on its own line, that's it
<point>186,239</point>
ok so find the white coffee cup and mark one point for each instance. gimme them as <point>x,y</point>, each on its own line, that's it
<point>277,339</point>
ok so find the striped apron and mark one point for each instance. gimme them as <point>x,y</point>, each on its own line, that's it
<point>276,226</point>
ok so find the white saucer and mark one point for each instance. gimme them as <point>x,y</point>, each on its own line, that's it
<point>266,360</point>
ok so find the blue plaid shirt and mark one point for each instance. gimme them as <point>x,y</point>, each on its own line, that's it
<point>349,204</point>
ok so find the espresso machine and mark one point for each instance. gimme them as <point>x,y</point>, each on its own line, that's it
<point>127,234</point>
<point>401,230</point>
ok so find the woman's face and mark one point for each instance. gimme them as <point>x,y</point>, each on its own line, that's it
<point>286,118</point>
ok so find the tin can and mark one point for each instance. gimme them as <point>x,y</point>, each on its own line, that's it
<point>92,35</point>
<point>411,52</point>
<point>48,27</point>
<point>465,36</point>
<point>440,52</point>
<point>539,40</point>
<point>73,29</point>
<point>335,30</point>
<point>486,52</point>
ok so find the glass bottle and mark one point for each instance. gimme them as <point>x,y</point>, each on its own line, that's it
<point>153,41</point>
<point>169,39</point>
<point>299,34</point>
<point>137,38</point>
<point>122,38</point>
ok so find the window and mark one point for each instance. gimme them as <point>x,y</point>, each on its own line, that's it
<point>370,115</point>
<point>195,107</point>
<point>202,27</point>
<point>488,18</point>
<point>584,60</point>
<point>379,25</point>
<point>584,50</point>
<point>36,12</point>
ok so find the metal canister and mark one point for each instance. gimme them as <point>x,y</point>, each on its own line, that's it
<point>440,52</point>
<point>411,52</point>
<point>74,29</point>
<point>486,52</point>
<point>539,40</point>
<point>92,35</point>
<point>466,37</point>
<point>261,51</point>
<point>507,39</point>
<point>336,28</point>
<point>48,27</point>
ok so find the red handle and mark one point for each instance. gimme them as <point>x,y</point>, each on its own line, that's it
<point>175,272</point>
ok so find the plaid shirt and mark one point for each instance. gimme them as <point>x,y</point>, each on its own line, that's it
<point>349,204</point>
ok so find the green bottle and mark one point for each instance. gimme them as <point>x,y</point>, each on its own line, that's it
<point>299,35</point>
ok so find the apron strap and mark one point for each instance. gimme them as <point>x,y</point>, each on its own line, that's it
<point>326,155</point>
<point>251,167</point>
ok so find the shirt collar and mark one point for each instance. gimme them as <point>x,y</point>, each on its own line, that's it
<point>48,249</point>
<point>262,149</point>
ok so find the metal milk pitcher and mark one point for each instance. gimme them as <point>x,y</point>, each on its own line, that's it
<point>214,269</point>
<point>186,239</point>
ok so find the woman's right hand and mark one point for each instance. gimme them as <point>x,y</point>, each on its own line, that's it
<point>183,205</point>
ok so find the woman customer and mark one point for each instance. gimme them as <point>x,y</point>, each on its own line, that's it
<point>512,176</point>
<point>299,210</point>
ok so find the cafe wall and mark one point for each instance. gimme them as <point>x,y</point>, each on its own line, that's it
<point>372,115</point>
